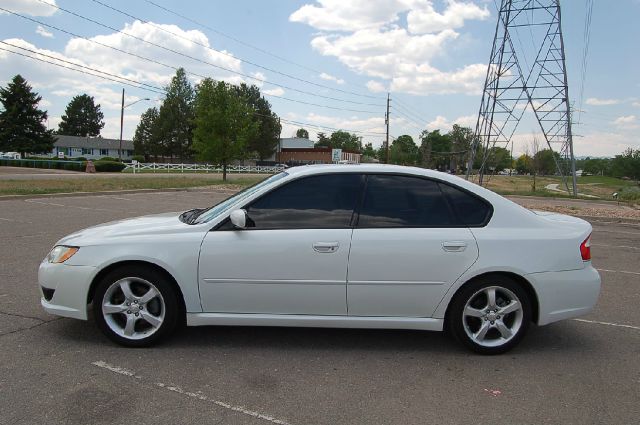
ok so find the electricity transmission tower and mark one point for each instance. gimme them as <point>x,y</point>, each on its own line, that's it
<point>513,85</point>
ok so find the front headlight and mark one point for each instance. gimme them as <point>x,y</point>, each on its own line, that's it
<point>61,253</point>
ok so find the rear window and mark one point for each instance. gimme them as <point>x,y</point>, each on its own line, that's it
<point>470,209</point>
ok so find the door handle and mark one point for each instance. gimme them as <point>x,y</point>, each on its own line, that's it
<point>326,247</point>
<point>454,246</point>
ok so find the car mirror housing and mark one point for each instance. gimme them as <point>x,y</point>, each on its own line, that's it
<point>238,218</point>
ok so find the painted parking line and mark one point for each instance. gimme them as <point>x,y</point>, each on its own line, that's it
<point>618,271</point>
<point>617,325</point>
<point>195,395</point>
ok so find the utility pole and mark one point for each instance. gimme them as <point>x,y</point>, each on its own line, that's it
<point>386,121</point>
<point>121,125</point>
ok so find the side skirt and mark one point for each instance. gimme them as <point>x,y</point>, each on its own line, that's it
<point>299,320</point>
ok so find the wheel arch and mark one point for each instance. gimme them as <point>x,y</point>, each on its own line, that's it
<point>526,285</point>
<point>113,266</point>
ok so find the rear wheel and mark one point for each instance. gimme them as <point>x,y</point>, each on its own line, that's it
<point>135,306</point>
<point>490,315</point>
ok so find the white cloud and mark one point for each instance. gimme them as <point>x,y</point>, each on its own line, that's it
<point>278,91</point>
<point>376,86</point>
<point>443,124</point>
<point>636,104</point>
<point>43,32</point>
<point>594,101</point>
<point>425,19</point>
<point>627,122</point>
<point>29,7</point>
<point>329,77</point>
<point>374,44</point>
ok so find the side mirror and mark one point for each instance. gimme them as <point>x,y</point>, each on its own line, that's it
<point>238,218</point>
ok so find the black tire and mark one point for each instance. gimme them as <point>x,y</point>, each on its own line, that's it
<point>166,306</point>
<point>492,341</point>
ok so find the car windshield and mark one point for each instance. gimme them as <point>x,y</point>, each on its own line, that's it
<point>212,212</point>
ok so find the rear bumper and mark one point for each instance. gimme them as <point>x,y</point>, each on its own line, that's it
<point>70,285</point>
<point>566,294</point>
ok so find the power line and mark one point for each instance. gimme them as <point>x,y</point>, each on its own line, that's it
<point>208,47</point>
<point>175,68</point>
<point>108,78</point>
<point>585,54</point>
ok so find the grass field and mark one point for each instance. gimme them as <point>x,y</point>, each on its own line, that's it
<point>100,184</point>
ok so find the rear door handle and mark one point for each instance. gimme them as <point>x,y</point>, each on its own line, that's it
<point>454,246</point>
<point>326,247</point>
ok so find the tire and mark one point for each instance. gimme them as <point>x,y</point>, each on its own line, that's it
<point>490,324</point>
<point>136,306</point>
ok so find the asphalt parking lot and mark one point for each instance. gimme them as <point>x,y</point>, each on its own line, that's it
<point>54,370</point>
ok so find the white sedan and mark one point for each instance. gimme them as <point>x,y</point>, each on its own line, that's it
<point>353,246</point>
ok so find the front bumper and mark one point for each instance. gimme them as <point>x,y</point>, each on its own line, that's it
<point>70,285</point>
<point>566,294</point>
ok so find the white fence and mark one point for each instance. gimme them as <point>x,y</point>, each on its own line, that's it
<point>139,167</point>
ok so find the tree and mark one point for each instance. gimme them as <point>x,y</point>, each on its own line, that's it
<point>368,151</point>
<point>499,159</point>
<point>461,138</point>
<point>145,141</point>
<point>82,117</point>
<point>175,121</point>
<point>546,161</point>
<point>264,142</point>
<point>435,149</point>
<point>403,151</point>
<point>627,164</point>
<point>323,141</point>
<point>523,164</point>
<point>302,133</point>
<point>346,141</point>
<point>224,123</point>
<point>21,122</point>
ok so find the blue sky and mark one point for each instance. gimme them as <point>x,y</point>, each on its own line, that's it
<point>431,55</point>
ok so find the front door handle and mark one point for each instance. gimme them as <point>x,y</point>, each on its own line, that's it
<point>326,247</point>
<point>454,246</point>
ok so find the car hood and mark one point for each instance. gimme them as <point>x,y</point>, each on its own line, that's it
<point>156,224</point>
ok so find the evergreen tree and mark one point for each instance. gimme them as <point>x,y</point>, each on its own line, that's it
<point>224,123</point>
<point>264,142</point>
<point>175,121</point>
<point>145,141</point>
<point>82,117</point>
<point>21,122</point>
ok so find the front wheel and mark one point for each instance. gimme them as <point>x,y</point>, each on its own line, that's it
<point>490,315</point>
<point>135,306</point>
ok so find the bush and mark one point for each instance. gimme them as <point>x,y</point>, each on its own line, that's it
<point>80,158</point>
<point>109,166</point>
<point>109,158</point>
<point>139,158</point>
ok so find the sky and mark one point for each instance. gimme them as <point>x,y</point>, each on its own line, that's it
<point>327,63</point>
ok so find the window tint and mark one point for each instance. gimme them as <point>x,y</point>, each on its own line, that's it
<point>471,210</point>
<point>400,201</point>
<point>324,201</point>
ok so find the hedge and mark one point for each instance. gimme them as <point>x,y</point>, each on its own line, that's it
<point>34,163</point>
<point>101,165</point>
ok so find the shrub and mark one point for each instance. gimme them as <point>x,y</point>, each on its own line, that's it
<point>109,166</point>
<point>108,158</point>
<point>59,165</point>
<point>139,158</point>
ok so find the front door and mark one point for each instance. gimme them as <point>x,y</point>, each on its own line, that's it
<point>293,258</point>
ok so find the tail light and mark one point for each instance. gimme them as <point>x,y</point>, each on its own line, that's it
<point>585,249</point>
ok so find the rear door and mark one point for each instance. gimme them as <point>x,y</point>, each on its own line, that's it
<point>407,249</point>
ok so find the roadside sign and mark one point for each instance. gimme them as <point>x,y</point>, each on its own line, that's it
<point>336,155</point>
<point>60,155</point>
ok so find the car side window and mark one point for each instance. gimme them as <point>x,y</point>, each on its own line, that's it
<point>403,201</point>
<point>316,202</point>
<point>470,209</point>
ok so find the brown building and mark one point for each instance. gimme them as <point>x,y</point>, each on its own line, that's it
<point>300,156</point>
